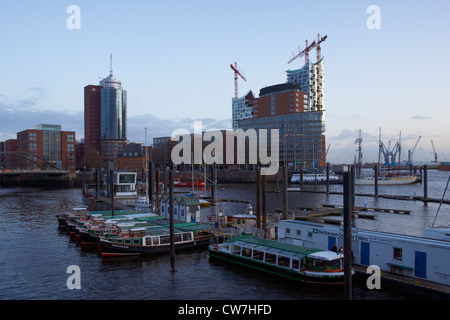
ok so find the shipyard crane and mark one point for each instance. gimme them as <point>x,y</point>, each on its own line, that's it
<point>434,152</point>
<point>305,52</point>
<point>411,152</point>
<point>236,73</point>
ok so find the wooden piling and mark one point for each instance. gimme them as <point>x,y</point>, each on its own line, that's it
<point>172,217</point>
<point>285,193</point>
<point>348,233</point>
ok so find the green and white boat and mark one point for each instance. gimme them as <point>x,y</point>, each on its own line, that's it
<point>290,261</point>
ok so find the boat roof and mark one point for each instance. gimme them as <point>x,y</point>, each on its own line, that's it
<point>272,246</point>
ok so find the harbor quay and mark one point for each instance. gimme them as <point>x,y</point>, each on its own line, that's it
<point>414,264</point>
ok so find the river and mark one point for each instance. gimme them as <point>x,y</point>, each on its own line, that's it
<point>35,254</point>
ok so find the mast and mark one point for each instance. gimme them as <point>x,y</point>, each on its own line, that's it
<point>379,150</point>
<point>146,168</point>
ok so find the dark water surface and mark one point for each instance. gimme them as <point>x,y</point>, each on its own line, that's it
<point>35,255</point>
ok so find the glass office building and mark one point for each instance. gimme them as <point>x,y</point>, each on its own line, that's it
<point>113,117</point>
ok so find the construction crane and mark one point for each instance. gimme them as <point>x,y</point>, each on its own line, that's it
<point>305,52</point>
<point>236,73</point>
<point>411,152</point>
<point>434,152</point>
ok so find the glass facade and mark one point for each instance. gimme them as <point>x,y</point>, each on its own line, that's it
<point>113,113</point>
<point>300,135</point>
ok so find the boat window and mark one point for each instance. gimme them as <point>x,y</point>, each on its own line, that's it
<point>164,239</point>
<point>284,261</point>
<point>317,264</point>
<point>155,240</point>
<point>119,240</point>
<point>295,264</point>
<point>177,237</point>
<point>236,249</point>
<point>136,241</point>
<point>187,236</point>
<point>246,252</point>
<point>333,265</point>
<point>270,258</point>
<point>258,255</point>
<point>127,241</point>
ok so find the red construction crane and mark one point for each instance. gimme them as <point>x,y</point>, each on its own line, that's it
<point>236,73</point>
<point>305,52</point>
<point>318,42</point>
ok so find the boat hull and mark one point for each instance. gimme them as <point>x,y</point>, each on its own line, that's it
<point>109,249</point>
<point>304,277</point>
<point>392,181</point>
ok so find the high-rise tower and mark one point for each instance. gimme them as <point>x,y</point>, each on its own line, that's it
<point>105,108</point>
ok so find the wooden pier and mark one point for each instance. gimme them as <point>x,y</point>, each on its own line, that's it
<point>323,213</point>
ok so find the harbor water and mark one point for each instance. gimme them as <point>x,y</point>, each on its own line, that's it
<point>35,254</point>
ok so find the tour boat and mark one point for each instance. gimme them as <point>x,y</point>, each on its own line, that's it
<point>154,240</point>
<point>315,178</point>
<point>287,260</point>
<point>396,180</point>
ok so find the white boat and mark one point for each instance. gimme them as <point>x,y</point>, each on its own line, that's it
<point>315,177</point>
<point>290,261</point>
<point>398,180</point>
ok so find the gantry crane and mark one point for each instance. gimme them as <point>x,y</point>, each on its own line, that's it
<point>236,73</point>
<point>411,152</point>
<point>434,152</point>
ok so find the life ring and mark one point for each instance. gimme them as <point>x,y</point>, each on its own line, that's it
<point>227,247</point>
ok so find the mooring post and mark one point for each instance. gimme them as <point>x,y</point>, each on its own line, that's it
<point>111,181</point>
<point>285,193</point>
<point>376,180</point>
<point>172,217</point>
<point>425,184</point>
<point>328,177</point>
<point>157,189</point>
<point>258,198</point>
<point>348,232</point>
<point>150,185</point>
<point>264,203</point>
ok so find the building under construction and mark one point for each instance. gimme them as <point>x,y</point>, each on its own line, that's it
<point>296,108</point>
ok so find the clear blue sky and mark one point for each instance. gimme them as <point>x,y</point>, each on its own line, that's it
<point>173,58</point>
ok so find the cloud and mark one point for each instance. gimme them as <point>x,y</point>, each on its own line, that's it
<point>419,117</point>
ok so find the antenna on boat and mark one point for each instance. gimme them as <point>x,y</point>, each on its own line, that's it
<point>445,191</point>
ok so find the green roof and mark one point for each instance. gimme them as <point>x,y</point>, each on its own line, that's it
<point>268,245</point>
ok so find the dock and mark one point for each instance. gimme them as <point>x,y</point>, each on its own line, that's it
<point>420,287</point>
<point>323,213</point>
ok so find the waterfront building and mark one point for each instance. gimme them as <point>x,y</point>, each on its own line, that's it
<point>311,80</point>
<point>410,256</point>
<point>133,159</point>
<point>242,108</point>
<point>7,158</point>
<point>297,109</point>
<point>105,117</point>
<point>92,120</point>
<point>46,147</point>
<point>301,139</point>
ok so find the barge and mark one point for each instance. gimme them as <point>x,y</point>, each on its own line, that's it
<point>297,263</point>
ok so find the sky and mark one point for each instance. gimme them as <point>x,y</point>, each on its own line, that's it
<point>173,58</point>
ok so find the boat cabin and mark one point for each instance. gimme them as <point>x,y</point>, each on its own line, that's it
<point>186,209</point>
<point>284,255</point>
